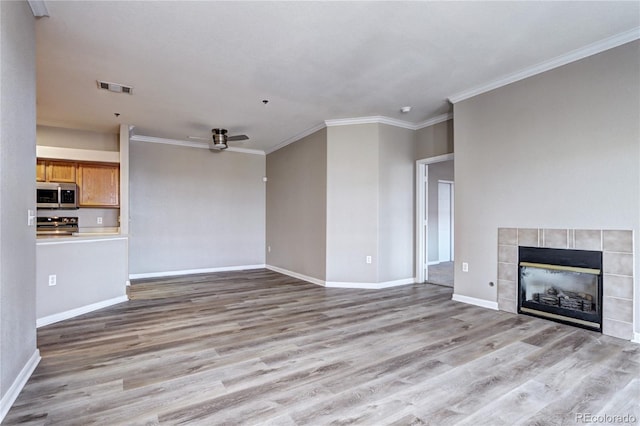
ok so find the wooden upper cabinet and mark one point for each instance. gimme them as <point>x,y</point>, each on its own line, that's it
<point>41,171</point>
<point>61,171</point>
<point>55,171</point>
<point>99,184</point>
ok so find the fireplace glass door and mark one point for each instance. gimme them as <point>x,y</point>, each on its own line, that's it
<point>553,287</point>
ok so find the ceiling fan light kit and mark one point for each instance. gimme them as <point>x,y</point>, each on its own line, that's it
<point>220,139</point>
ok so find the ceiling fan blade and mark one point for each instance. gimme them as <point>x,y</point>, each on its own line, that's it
<point>198,138</point>
<point>238,138</point>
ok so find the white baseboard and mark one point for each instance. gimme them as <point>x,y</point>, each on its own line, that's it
<point>341,284</point>
<point>16,387</point>
<point>473,301</point>
<point>194,271</point>
<point>302,277</point>
<point>50,319</point>
<point>370,286</point>
<point>636,337</point>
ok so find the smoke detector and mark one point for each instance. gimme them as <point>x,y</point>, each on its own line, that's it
<point>115,87</point>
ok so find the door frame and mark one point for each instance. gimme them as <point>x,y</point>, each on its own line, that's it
<point>422,186</point>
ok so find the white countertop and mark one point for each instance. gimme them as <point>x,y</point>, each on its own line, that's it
<point>84,234</point>
<point>93,232</point>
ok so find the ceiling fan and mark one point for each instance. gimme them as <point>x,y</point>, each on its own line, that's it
<point>219,139</point>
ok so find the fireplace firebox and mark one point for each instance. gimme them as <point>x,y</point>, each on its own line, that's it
<point>561,285</point>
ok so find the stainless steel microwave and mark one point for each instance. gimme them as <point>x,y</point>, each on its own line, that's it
<point>54,195</point>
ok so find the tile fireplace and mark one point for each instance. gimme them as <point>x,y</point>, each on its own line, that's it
<point>615,296</point>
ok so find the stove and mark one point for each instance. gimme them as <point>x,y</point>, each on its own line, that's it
<point>56,226</point>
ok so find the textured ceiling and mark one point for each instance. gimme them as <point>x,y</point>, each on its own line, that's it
<point>199,65</point>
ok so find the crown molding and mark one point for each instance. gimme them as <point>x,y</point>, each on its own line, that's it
<point>434,120</point>
<point>164,141</point>
<point>377,119</point>
<point>297,137</point>
<point>575,55</point>
<point>245,150</point>
<point>190,144</point>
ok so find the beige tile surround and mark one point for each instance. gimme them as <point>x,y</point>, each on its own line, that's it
<point>617,258</point>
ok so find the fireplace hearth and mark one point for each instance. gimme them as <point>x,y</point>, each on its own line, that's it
<point>562,285</point>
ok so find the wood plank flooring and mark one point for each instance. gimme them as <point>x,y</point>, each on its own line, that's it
<point>256,347</point>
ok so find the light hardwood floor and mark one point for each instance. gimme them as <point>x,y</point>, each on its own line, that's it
<point>257,347</point>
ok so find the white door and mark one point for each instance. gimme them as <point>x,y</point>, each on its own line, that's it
<point>445,221</point>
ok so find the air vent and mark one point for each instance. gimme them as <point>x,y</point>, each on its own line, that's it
<point>115,87</point>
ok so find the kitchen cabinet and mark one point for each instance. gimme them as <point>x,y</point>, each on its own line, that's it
<point>41,171</point>
<point>55,171</point>
<point>99,184</point>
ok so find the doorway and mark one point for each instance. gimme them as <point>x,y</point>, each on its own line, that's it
<point>435,220</point>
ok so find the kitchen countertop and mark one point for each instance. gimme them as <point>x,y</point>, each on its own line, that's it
<point>107,230</point>
<point>82,235</point>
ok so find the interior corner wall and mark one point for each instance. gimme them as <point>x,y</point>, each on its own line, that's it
<point>434,140</point>
<point>396,209</point>
<point>352,203</point>
<point>296,206</point>
<point>557,150</point>
<point>17,186</point>
<point>192,209</point>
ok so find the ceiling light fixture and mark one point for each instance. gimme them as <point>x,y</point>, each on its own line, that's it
<point>405,109</point>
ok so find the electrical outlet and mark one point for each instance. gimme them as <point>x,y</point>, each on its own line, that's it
<point>465,267</point>
<point>31,215</point>
<point>99,220</point>
<point>368,260</point>
<point>269,249</point>
<point>52,280</point>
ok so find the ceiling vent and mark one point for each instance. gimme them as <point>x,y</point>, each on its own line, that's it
<point>115,87</point>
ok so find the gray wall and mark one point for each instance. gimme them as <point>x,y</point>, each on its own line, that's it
<point>296,206</point>
<point>557,150</point>
<point>437,171</point>
<point>345,193</point>
<point>396,211</point>
<point>78,139</point>
<point>434,140</point>
<point>194,209</point>
<point>370,207</point>
<point>352,203</point>
<point>87,272</point>
<point>17,186</point>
